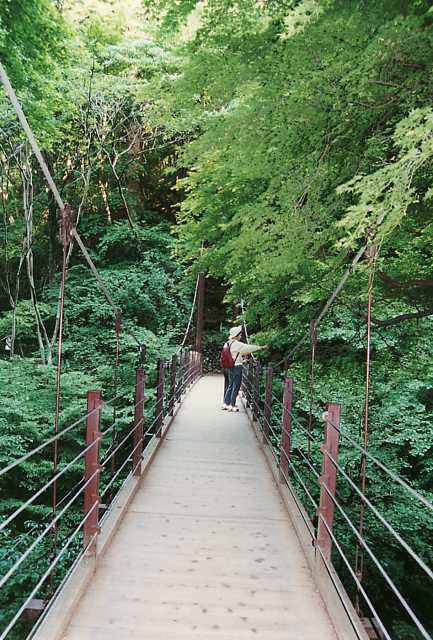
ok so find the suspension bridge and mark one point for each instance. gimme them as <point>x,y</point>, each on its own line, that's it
<point>194,522</point>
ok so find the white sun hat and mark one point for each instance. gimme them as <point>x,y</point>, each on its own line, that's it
<point>235,331</point>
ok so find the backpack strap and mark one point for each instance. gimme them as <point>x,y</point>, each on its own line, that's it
<point>230,349</point>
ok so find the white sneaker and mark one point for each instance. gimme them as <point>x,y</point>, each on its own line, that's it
<point>225,407</point>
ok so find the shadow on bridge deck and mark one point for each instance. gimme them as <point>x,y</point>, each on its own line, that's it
<point>206,549</point>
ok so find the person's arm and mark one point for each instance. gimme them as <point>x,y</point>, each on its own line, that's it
<point>246,349</point>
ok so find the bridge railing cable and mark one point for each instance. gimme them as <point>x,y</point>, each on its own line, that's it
<point>53,439</point>
<point>313,492</point>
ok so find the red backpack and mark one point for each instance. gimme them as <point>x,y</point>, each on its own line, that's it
<point>226,358</point>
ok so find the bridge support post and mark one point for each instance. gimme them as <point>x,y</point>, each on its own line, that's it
<point>192,366</point>
<point>268,405</point>
<point>184,373</point>
<point>286,428</point>
<point>189,369</point>
<point>251,387</point>
<point>173,384</point>
<point>159,407</point>
<point>138,422</point>
<point>179,388</point>
<point>184,376</point>
<point>92,472</point>
<point>198,364</point>
<point>328,479</point>
<point>247,383</point>
<point>256,391</point>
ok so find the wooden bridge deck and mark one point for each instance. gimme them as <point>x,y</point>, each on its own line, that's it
<point>206,549</point>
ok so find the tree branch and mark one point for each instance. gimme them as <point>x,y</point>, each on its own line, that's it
<point>424,313</point>
<point>395,284</point>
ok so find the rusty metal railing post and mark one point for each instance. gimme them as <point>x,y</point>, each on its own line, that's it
<point>193,360</point>
<point>173,385</point>
<point>188,369</point>
<point>138,422</point>
<point>328,479</point>
<point>179,384</point>
<point>286,428</point>
<point>159,407</point>
<point>256,391</point>
<point>250,386</point>
<point>184,373</point>
<point>247,384</point>
<point>92,472</point>
<point>268,405</point>
<point>198,360</point>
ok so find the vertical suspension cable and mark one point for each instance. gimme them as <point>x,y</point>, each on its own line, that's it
<point>191,315</point>
<point>372,253</point>
<point>65,239</point>
<point>244,324</point>
<point>313,334</point>
<point>118,329</point>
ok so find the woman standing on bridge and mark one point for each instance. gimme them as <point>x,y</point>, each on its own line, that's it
<point>235,350</point>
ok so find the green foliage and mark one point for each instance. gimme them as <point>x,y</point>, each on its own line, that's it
<point>25,319</point>
<point>280,132</point>
<point>31,37</point>
<point>390,190</point>
<point>171,15</point>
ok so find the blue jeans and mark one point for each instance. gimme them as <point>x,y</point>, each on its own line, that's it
<point>234,384</point>
<point>226,373</point>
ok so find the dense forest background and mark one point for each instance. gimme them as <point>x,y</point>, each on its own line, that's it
<point>260,142</point>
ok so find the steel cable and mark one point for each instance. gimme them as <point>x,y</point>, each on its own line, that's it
<point>383,467</point>
<point>46,485</point>
<point>42,446</point>
<point>354,577</point>
<point>378,565</point>
<point>190,317</point>
<point>48,572</point>
<point>42,535</point>
<point>381,518</point>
